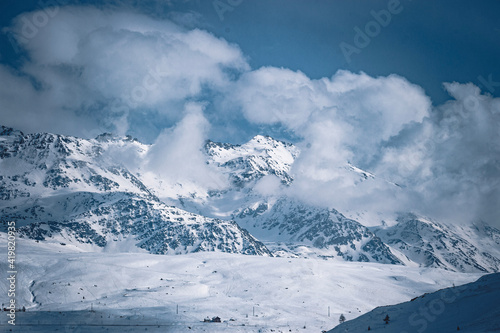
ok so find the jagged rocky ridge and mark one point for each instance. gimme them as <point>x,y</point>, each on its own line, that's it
<point>154,226</point>
<point>329,232</point>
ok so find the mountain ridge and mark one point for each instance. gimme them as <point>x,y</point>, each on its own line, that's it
<point>55,182</point>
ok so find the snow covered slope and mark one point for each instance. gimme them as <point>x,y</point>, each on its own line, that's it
<point>431,244</point>
<point>258,293</point>
<point>473,307</point>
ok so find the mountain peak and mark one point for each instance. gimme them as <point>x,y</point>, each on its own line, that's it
<point>110,137</point>
<point>9,131</point>
<point>105,137</point>
<point>262,138</point>
<point>260,156</point>
<point>266,140</point>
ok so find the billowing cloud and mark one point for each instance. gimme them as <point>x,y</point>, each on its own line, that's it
<point>345,113</point>
<point>451,162</point>
<point>101,66</point>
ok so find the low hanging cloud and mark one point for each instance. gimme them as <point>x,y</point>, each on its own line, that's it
<point>89,69</point>
<point>451,161</point>
<point>177,157</point>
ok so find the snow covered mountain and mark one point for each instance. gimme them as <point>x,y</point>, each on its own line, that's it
<point>67,190</point>
<point>74,191</point>
<point>305,230</point>
<point>38,165</point>
<point>471,307</point>
<point>292,228</point>
<point>286,226</point>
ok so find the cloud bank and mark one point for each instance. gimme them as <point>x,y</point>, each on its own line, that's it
<point>347,117</point>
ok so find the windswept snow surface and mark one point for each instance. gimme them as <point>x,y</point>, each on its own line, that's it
<point>59,285</point>
<point>473,307</point>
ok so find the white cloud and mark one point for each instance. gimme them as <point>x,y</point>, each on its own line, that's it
<point>451,161</point>
<point>271,95</point>
<point>268,186</point>
<point>101,65</point>
<point>446,157</point>
<point>344,114</point>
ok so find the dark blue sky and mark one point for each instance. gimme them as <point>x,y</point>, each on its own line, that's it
<point>428,42</point>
